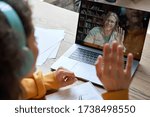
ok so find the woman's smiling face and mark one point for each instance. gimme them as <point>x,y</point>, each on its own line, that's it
<point>110,23</point>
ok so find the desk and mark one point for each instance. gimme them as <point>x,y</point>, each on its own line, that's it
<point>49,16</point>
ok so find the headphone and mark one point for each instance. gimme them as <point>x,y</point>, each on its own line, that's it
<point>16,24</point>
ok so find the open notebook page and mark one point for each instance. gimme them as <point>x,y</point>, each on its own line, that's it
<point>86,90</point>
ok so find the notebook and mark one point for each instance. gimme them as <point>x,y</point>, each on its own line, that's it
<point>85,91</point>
<point>132,24</point>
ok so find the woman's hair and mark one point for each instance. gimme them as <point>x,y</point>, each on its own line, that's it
<point>10,59</point>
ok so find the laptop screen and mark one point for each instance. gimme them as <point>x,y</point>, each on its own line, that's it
<point>101,23</point>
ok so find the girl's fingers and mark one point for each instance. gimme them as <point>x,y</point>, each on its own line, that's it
<point>113,59</point>
<point>129,65</point>
<point>120,62</point>
<point>106,58</point>
<point>99,66</point>
<point>68,81</point>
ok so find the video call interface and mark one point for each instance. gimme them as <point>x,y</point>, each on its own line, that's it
<point>102,23</point>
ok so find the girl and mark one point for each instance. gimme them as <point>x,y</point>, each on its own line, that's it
<point>18,53</point>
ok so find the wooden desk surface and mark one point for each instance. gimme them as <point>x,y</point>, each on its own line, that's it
<point>49,16</point>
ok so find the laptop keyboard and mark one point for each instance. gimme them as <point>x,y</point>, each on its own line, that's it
<point>85,56</point>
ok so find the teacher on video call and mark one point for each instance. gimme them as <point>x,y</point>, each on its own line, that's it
<point>109,32</point>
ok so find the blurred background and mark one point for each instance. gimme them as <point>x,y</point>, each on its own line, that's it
<point>67,4</point>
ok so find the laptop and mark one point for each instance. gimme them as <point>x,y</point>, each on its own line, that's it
<point>81,57</point>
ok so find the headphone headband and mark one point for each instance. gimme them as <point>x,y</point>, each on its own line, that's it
<point>14,21</point>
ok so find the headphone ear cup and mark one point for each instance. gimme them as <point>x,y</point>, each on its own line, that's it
<point>25,56</point>
<point>28,61</point>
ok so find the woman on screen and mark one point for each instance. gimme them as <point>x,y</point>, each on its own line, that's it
<point>108,33</point>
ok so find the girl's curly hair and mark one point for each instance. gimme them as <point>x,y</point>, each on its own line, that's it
<point>10,60</point>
